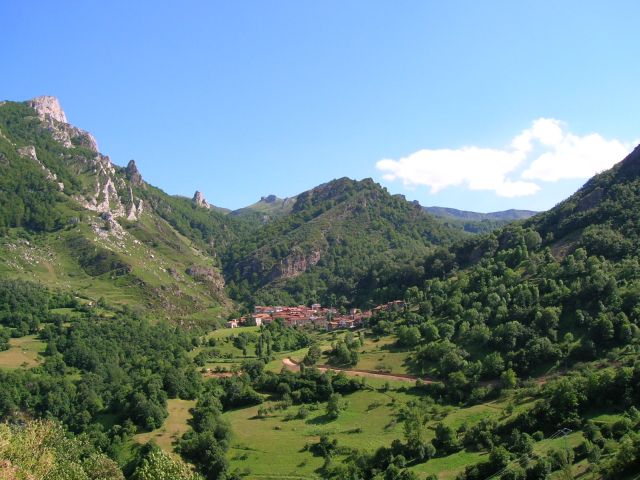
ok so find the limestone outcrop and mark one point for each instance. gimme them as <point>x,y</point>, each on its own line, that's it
<point>52,115</point>
<point>199,200</point>
<point>48,108</point>
<point>133,174</point>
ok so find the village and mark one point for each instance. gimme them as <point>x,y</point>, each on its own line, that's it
<point>316,316</point>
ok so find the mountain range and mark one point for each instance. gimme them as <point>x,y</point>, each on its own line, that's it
<point>512,354</point>
<point>103,231</point>
<point>70,218</point>
<point>506,215</point>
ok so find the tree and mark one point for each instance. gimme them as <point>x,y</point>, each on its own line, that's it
<point>508,379</point>
<point>4,339</point>
<point>446,441</point>
<point>335,405</point>
<point>408,336</point>
<point>415,432</point>
<point>492,365</point>
<point>157,465</point>
<point>313,355</point>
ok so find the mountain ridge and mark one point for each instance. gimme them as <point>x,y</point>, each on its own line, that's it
<point>510,214</point>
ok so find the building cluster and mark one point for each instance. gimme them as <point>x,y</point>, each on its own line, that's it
<point>315,316</point>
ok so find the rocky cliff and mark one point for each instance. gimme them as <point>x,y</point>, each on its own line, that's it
<point>108,193</point>
<point>200,201</point>
<point>55,120</point>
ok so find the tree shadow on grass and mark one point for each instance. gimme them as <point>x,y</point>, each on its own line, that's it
<point>320,420</point>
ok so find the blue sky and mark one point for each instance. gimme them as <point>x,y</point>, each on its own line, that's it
<point>241,99</point>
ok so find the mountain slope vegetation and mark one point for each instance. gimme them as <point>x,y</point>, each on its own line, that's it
<point>336,235</point>
<point>474,222</point>
<point>70,218</point>
<point>101,230</point>
<point>514,354</point>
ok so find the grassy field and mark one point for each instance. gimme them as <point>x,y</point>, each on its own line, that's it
<point>446,468</point>
<point>23,352</point>
<point>381,355</point>
<point>230,332</point>
<point>230,357</point>
<point>371,420</point>
<point>174,426</point>
<point>275,444</point>
<point>276,447</point>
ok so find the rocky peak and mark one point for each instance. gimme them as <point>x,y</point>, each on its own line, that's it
<point>199,200</point>
<point>133,174</point>
<point>51,114</point>
<point>48,108</point>
<point>269,199</point>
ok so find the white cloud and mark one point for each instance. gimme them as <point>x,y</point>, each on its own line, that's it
<point>576,157</point>
<point>546,152</point>
<point>474,167</point>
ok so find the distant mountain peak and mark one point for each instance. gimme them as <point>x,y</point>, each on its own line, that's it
<point>48,107</point>
<point>269,199</point>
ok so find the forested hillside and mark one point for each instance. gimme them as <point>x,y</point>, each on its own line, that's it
<point>102,230</point>
<point>514,355</point>
<point>337,236</point>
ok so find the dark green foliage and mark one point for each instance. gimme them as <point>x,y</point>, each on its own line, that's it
<point>4,339</point>
<point>347,235</point>
<point>27,198</point>
<point>335,405</point>
<point>277,337</point>
<point>345,350</point>
<point>97,261</point>
<point>238,392</point>
<point>208,441</point>
<point>308,386</point>
<point>606,211</point>
<point>25,305</point>
<point>446,440</point>
<point>125,366</point>
<point>535,313</point>
<point>313,355</point>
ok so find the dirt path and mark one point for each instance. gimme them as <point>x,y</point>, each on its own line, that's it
<point>295,367</point>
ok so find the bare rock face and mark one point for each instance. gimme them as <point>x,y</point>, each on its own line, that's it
<point>208,276</point>
<point>105,197</point>
<point>50,112</point>
<point>133,174</point>
<point>83,138</point>
<point>29,152</point>
<point>296,263</point>
<point>134,211</point>
<point>48,108</point>
<point>199,200</point>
